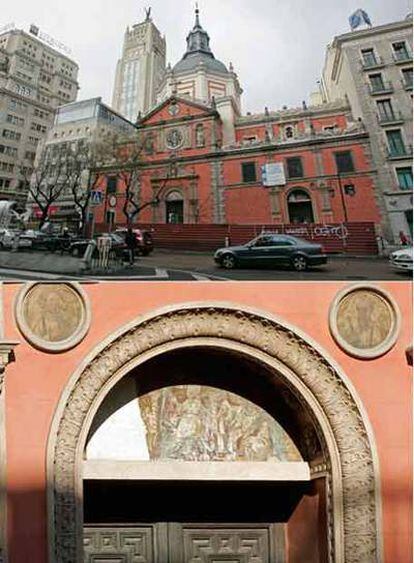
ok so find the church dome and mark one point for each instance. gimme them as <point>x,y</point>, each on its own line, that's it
<point>199,52</point>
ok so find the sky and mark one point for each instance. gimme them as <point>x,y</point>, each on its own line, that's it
<point>277,47</point>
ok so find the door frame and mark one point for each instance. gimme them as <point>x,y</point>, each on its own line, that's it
<point>351,463</point>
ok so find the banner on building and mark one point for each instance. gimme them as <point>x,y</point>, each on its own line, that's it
<point>273,174</point>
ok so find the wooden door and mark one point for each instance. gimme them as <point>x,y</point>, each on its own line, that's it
<point>184,543</point>
<point>224,543</point>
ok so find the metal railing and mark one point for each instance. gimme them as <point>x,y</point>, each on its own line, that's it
<point>402,56</point>
<point>393,117</point>
<point>371,62</point>
<point>403,151</point>
<point>384,88</point>
<point>407,85</point>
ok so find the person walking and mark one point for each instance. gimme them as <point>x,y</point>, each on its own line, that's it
<point>131,242</point>
<point>405,241</point>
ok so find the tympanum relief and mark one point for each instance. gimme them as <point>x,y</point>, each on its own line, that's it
<point>192,423</point>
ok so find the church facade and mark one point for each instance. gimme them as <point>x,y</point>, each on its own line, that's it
<point>203,162</point>
<point>200,422</point>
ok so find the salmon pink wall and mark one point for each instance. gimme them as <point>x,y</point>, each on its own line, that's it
<point>35,381</point>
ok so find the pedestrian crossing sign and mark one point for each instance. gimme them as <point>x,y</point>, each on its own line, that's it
<point>96,197</point>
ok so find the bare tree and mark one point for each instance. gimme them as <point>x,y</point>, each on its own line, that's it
<point>49,178</point>
<point>84,178</point>
<point>128,154</point>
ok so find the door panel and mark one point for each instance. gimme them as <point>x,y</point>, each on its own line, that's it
<point>194,543</point>
<point>184,543</point>
<point>132,544</point>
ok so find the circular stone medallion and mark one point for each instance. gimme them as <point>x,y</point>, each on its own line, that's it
<point>364,321</point>
<point>174,139</point>
<point>53,316</point>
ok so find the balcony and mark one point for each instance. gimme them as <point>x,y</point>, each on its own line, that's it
<point>393,118</point>
<point>402,57</point>
<point>379,89</point>
<point>370,63</point>
<point>400,153</point>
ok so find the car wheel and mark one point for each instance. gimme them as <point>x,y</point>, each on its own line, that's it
<point>228,261</point>
<point>299,263</point>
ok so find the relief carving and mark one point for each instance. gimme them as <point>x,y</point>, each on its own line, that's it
<point>357,485</point>
<point>53,317</point>
<point>200,423</point>
<point>364,321</point>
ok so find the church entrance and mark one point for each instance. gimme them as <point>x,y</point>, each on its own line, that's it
<point>183,466</point>
<point>300,207</point>
<point>208,430</point>
<point>174,208</point>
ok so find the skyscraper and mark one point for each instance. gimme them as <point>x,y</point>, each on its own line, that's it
<point>140,69</point>
<point>35,79</point>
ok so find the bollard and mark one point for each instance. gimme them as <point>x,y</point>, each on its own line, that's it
<point>227,241</point>
<point>87,257</point>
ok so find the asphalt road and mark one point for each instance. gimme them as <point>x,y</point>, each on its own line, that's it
<point>191,266</point>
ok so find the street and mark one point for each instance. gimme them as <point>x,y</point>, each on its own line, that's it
<point>173,266</point>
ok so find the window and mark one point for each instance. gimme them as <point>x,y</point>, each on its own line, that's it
<point>111,185</point>
<point>395,142</point>
<point>385,110</point>
<point>400,51</point>
<point>294,167</point>
<point>344,162</point>
<point>10,151</point>
<point>19,121</point>
<point>368,57</point>
<point>377,83</point>
<point>7,134</point>
<point>249,172</point>
<point>408,77</point>
<point>405,178</point>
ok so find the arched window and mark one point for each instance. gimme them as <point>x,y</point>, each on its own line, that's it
<point>300,207</point>
<point>200,136</point>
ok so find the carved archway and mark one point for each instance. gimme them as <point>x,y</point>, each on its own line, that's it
<point>352,469</point>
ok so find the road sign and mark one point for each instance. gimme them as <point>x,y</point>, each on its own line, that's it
<point>112,201</point>
<point>96,197</point>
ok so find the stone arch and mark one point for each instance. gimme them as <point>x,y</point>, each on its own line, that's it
<point>302,197</point>
<point>352,469</point>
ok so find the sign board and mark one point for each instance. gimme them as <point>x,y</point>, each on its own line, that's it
<point>96,197</point>
<point>112,201</point>
<point>273,174</point>
<point>34,30</point>
<point>37,212</point>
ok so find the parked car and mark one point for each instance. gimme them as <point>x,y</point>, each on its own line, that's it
<point>272,250</point>
<point>145,242</point>
<point>402,259</point>
<point>24,238</point>
<point>6,238</point>
<point>78,248</point>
